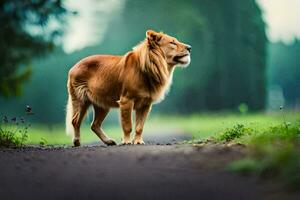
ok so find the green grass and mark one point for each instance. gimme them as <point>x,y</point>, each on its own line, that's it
<point>13,133</point>
<point>207,125</point>
<point>199,126</point>
<point>273,152</point>
<point>56,135</point>
<point>11,138</point>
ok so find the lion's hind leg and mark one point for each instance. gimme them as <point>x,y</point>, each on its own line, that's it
<point>99,116</point>
<point>79,111</point>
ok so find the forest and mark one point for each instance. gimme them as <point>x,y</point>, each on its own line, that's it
<point>233,64</point>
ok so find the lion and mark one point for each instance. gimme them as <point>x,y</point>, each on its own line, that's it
<point>130,82</point>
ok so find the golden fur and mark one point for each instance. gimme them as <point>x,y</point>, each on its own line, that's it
<point>131,82</point>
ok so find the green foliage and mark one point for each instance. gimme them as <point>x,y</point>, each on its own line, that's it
<point>274,153</point>
<point>243,108</point>
<point>9,138</point>
<point>246,166</point>
<point>12,84</point>
<point>237,131</point>
<point>198,126</point>
<point>205,125</point>
<point>43,142</point>
<point>24,34</point>
<point>273,143</point>
<point>13,132</point>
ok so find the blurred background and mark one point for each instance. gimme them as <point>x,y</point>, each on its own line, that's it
<point>245,59</point>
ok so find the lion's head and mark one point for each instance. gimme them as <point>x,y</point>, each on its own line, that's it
<point>176,53</point>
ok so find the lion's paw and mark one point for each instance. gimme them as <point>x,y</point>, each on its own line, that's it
<point>138,141</point>
<point>76,142</point>
<point>126,141</point>
<point>110,142</point>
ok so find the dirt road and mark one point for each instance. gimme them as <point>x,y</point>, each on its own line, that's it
<point>125,172</point>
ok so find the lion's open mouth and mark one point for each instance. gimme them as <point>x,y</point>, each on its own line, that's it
<point>179,59</point>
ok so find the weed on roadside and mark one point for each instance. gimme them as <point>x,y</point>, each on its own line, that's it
<point>237,131</point>
<point>14,130</point>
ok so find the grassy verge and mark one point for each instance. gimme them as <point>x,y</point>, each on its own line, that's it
<point>13,132</point>
<point>11,139</point>
<point>206,125</point>
<point>273,145</point>
<point>272,140</point>
<point>273,152</point>
<point>199,126</point>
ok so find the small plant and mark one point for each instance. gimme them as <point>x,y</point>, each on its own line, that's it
<point>43,142</point>
<point>230,134</point>
<point>243,108</point>
<point>14,130</point>
<point>286,124</point>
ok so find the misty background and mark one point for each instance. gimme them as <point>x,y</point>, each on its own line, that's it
<point>245,55</point>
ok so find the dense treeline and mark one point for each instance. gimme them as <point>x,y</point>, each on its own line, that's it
<point>19,45</point>
<point>284,71</point>
<point>228,57</point>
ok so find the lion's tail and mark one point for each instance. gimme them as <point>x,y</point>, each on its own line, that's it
<point>69,116</point>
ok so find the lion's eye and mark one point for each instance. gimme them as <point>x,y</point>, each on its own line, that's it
<point>173,43</point>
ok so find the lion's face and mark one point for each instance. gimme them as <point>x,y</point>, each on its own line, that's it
<point>177,53</point>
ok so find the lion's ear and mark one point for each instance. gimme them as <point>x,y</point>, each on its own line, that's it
<point>153,36</point>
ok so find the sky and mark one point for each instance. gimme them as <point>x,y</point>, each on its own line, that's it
<point>281,16</point>
<point>87,28</point>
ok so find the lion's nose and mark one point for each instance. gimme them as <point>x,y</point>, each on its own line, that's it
<point>189,48</point>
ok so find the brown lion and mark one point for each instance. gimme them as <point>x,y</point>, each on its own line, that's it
<point>131,82</point>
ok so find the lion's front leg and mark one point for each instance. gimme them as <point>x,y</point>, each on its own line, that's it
<point>126,106</point>
<point>141,115</point>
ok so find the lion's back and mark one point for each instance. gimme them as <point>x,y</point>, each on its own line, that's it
<point>92,76</point>
<point>94,62</point>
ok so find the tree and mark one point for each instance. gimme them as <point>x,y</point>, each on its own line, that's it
<point>25,33</point>
<point>284,71</point>
<point>228,57</point>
